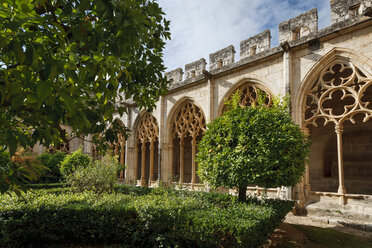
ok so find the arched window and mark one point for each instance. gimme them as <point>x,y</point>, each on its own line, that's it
<point>188,127</point>
<point>148,139</point>
<point>249,95</point>
<point>340,95</point>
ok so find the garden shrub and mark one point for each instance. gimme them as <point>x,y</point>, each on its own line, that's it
<point>162,218</point>
<point>256,145</point>
<point>46,185</point>
<point>73,161</point>
<point>53,163</point>
<point>100,176</point>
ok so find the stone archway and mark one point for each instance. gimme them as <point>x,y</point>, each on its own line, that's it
<point>188,126</point>
<point>249,95</point>
<point>341,95</point>
<point>118,147</point>
<point>148,140</point>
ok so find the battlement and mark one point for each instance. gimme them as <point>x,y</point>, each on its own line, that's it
<point>296,31</point>
<point>221,58</point>
<point>255,44</point>
<point>174,76</point>
<point>297,27</point>
<point>195,68</point>
<point>348,9</point>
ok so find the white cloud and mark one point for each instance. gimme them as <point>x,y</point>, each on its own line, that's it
<point>201,27</point>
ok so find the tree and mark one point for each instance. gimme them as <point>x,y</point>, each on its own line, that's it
<point>73,62</point>
<point>257,145</point>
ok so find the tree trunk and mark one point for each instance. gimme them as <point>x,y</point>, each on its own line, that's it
<point>242,194</point>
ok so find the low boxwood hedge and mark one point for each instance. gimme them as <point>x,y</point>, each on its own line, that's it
<point>160,218</point>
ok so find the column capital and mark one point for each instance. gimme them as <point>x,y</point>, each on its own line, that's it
<point>305,130</point>
<point>339,128</point>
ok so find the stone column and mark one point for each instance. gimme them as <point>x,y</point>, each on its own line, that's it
<point>151,176</point>
<point>212,102</point>
<point>193,170</point>
<point>341,187</point>
<point>135,162</point>
<point>181,158</point>
<point>143,164</point>
<point>122,152</point>
<point>287,72</point>
<point>307,188</point>
<point>130,163</point>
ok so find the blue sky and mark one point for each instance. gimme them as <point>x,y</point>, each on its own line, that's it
<point>201,27</point>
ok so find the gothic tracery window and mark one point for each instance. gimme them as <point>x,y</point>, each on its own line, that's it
<point>341,95</point>
<point>148,137</point>
<point>188,127</point>
<point>249,95</point>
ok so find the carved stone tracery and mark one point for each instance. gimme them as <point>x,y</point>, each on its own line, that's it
<point>342,86</point>
<point>189,121</point>
<point>148,132</point>
<point>249,95</point>
<point>340,93</point>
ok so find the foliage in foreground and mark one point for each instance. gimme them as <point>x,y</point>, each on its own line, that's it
<point>73,63</point>
<point>53,163</point>
<point>160,218</point>
<point>13,176</point>
<point>257,145</point>
<point>74,161</point>
<point>99,176</point>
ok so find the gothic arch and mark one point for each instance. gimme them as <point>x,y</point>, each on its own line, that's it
<point>186,125</point>
<point>248,87</point>
<point>337,90</point>
<point>118,147</point>
<point>146,147</point>
<point>335,54</point>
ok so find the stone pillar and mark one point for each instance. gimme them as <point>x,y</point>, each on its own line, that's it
<point>151,176</point>
<point>341,186</point>
<point>135,162</point>
<point>287,72</point>
<point>143,164</point>
<point>161,136</point>
<point>181,158</point>
<point>212,101</point>
<point>307,187</point>
<point>129,153</point>
<point>193,170</point>
<point>122,152</point>
<point>169,152</point>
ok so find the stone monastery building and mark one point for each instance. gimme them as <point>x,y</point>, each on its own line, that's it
<point>328,75</point>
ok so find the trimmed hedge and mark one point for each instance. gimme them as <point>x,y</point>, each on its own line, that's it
<point>161,218</point>
<point>46,185</point>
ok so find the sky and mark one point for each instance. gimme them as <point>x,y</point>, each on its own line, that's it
<point>201,27</point>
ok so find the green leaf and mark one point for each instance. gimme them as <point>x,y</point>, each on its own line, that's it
<point>18,52</point>
<point>43,89</point>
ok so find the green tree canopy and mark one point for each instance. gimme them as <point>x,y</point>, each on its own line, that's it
<point>72,62</point>
<point>254,145</point>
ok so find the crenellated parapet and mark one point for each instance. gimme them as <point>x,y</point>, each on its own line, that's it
<point>221,58</point>
<point>195,68</point>
<point>255,44</point>
<point>174,76</point>
<point>300,26</point>
<point>342,10</point>
<point>302,29</point>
